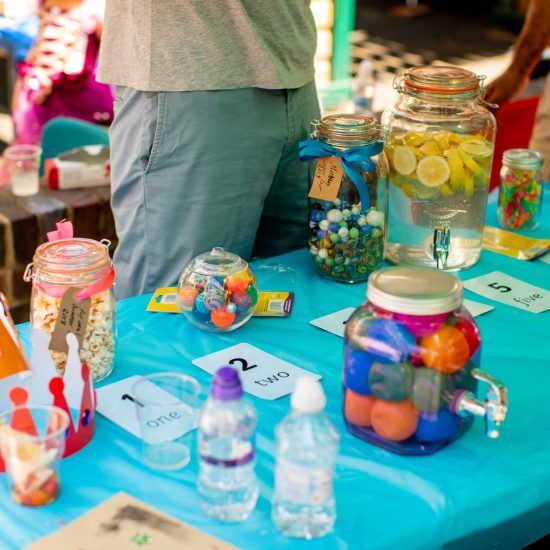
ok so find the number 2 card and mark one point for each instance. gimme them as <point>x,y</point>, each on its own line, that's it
<point>510,291</point>
<point>262,374</point>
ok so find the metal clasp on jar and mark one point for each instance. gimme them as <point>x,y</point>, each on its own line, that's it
<point>494,408</point>
<point>28,275</point>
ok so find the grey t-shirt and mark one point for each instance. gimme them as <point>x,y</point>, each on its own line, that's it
<point>182,45</point>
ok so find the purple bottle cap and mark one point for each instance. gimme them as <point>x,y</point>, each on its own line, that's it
<point>226,385</point>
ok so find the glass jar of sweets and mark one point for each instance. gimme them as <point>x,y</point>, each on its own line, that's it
<point>411,364</point>
<point>217,291</point>
<point>75,272</point>
<point>439,144</point>
<point>347,204</point>
<point>520,191</point>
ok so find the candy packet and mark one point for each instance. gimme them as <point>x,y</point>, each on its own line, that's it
<point>514,245</point>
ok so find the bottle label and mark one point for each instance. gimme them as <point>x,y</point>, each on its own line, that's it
<point>230,454</point>
<point>302,485</point>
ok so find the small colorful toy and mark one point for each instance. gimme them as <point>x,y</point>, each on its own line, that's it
<point>217,291</point>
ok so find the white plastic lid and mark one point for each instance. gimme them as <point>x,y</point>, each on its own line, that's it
<point>308,395</point>
<point>414,290</point>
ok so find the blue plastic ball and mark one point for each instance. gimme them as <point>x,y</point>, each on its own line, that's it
<point>333,226</point>
<point>389,341</point>
<point>439,426</point>
<point>357,367</point>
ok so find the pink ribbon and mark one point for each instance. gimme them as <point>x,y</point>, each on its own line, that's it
<point>64,231</point>
<point>103,284</point>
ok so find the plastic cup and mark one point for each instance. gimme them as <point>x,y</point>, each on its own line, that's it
<point>23,162</point>
<point>167,411</point>
<point>32,452</point>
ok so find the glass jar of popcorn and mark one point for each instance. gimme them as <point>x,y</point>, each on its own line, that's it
<point>72,291</point>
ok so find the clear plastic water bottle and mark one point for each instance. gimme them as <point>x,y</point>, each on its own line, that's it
<point>363,88</point>
<point>307,443</point>
<point>227,484</point>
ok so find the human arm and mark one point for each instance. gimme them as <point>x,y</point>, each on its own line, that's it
<point>532,41</point>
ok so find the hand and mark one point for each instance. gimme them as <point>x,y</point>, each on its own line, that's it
<point>508,85</point>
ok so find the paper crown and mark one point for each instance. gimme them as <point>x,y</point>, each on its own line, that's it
<point>74,393</point>
<point>12,356</point>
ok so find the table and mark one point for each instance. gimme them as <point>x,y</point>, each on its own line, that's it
<point>476,493</point>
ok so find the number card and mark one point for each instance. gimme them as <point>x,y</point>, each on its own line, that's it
<point>262,374</point>
<point>334,322</point>
<point>116,402</point>
<point>475,308</point>
<point>510,291</point>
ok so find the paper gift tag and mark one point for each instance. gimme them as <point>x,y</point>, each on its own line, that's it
<point>116,402</point>
<point>510,291</point>
<point>262,374</point>
<point>475,308</point>
<point>72,317</point>
<point>334,322</point>
<point>327,179</point>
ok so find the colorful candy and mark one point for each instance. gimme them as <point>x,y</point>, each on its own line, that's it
<point>520,192</point>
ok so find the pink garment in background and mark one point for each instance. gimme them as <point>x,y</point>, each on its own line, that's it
<point>48,86</point>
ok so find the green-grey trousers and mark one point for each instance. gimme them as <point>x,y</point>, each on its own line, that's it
<point>195,170</point>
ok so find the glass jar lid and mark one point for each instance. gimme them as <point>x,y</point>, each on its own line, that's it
<point>414,290</point>
<point>71,261</point>
<point>218,262</point>
<point>348,130</point>
<point>527,159</point>
<point>441,79</point>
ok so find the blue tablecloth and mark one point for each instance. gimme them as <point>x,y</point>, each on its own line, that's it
<point>476,493</point>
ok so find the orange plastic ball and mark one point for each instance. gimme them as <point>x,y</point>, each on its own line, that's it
<point>394,421</point>
<point>188,295</point>
<point>222,318</point>
<point>446,350</point>
<point>238,282</point>
<point>357,408</point>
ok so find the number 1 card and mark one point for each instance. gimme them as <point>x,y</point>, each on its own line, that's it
<point>262,374</point>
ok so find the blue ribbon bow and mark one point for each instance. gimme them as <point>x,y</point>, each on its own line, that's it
<point>352,159</point>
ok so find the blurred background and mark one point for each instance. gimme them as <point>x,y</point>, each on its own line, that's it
<point>48,93</point>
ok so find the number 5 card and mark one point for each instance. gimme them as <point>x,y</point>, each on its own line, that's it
<point>510,291</point>
<point>262,374</point>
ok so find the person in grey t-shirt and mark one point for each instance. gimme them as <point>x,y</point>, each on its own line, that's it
<point>212,97</point>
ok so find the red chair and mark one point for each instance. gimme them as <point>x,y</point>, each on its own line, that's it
<point>515,120</point>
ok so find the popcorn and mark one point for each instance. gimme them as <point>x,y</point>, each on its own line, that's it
<point>97,348</point>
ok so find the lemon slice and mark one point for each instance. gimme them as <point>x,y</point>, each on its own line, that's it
<point>430,148</point>
<point>414,139</point>
<point>476,149</point>
<point>404,160</point>
<point>433,171</point>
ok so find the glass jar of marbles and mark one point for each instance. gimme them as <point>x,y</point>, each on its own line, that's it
<point>217,291</point>
<point>347,219</point>
<point>411,364</point>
